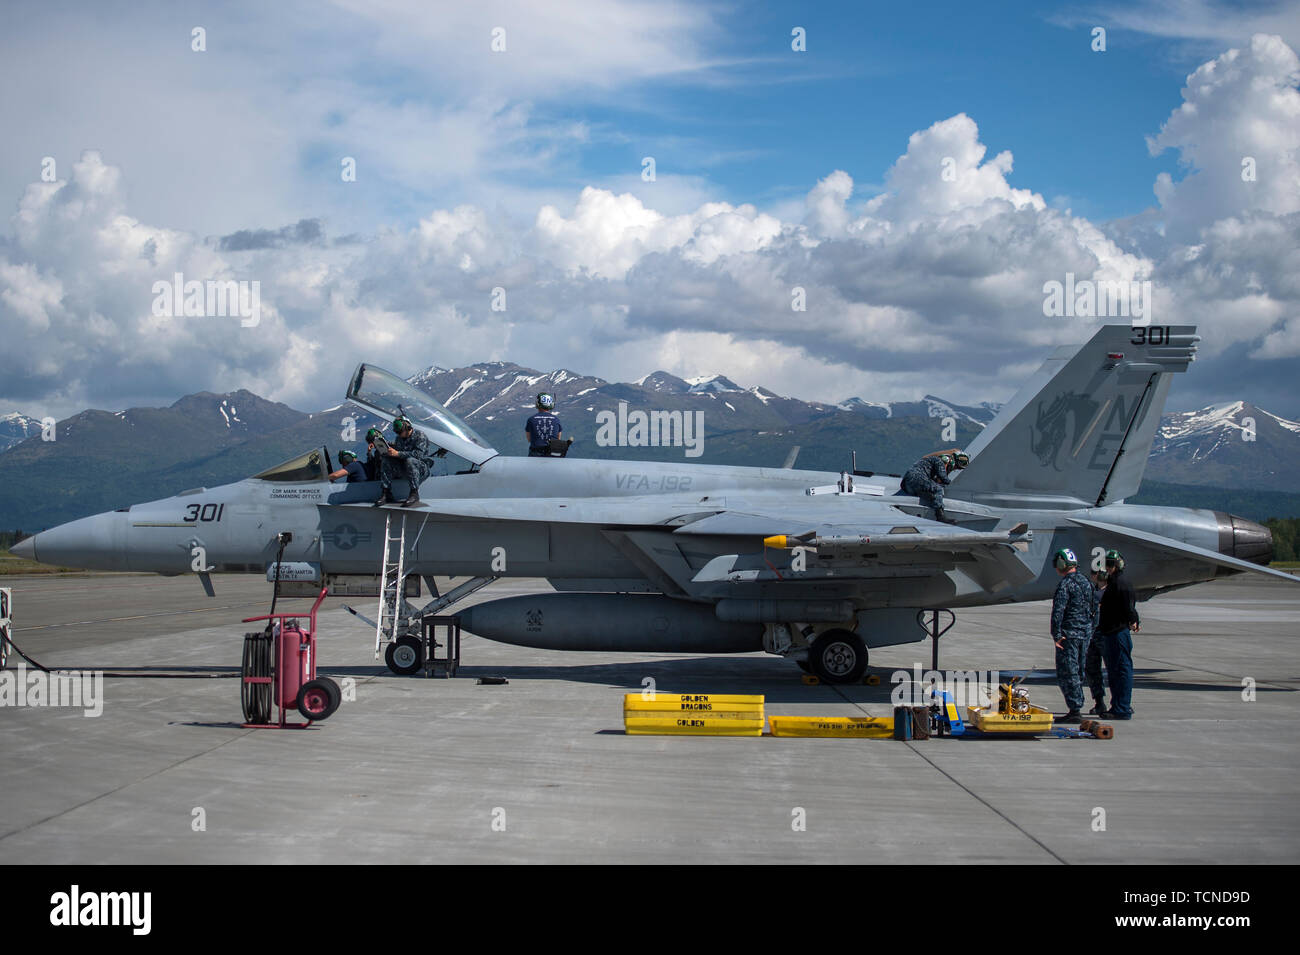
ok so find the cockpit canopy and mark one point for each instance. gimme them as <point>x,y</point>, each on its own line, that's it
<point>384,394</point>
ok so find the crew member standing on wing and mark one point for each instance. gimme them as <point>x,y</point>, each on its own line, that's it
<point>1119,621</point>
<point>926,479</point>
<point>1072,621</point>
<point>543,427</point>
<point>410,456</point>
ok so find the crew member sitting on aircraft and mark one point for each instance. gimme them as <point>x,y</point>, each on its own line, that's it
<point>925,479</point>
<point>409,456</point>
<point>543,427</point>
<point>373,454</point>
<point>352,469</point>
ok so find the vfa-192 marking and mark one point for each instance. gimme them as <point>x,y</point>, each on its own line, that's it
<point>659,483</point>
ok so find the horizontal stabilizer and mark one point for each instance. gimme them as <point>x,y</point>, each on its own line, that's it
<point>1186,550</point>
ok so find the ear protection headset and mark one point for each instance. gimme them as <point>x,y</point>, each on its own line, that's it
<point>1064,559</point>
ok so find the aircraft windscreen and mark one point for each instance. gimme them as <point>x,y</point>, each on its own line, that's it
<point>385,391</point>
<point>307,466</point>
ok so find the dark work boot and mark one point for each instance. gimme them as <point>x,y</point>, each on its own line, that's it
<point>940,516</point>
<point>1099,709</point>
<point>385,498</point>
<point>1070,717</point>
<point>411,499</point>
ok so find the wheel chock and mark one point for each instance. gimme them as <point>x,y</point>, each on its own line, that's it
<point>871,679</point>
<point>810,679</point>
<point>837,727</point>
<point>693,714</point>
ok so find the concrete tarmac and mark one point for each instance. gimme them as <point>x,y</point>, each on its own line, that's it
<point>539,770</point>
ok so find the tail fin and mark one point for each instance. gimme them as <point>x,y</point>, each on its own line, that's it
<point>1080,430</point>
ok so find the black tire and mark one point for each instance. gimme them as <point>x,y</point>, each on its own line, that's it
<point>405,656</point>
<point>318,699</point>
<point>838,656</point>
<point>804,665</point>
<point>259,656</point>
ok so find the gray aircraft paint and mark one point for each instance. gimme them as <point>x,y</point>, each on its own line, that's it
<point>606,533</point>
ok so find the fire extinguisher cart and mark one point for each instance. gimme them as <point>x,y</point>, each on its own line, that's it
<point>279,670</point>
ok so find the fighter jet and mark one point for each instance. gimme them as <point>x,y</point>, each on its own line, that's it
<point>689,558</point>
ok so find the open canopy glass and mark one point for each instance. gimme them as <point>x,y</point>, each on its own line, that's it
<point>307,466</point>
<point>383,393</point>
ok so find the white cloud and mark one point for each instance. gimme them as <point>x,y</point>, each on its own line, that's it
<point>1240,109</point>
<point>933,285</point>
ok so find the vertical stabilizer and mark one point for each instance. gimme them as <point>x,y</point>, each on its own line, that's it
<point>1079,432</point>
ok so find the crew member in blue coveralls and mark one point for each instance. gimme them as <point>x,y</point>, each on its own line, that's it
<point>543,427</point>
<point>1072,623</point>
<point>1092,660</point>
<point>410,456</point>
<point>926,479</point>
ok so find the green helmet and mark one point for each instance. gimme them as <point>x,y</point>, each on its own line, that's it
<point>1116,558</point>
<point>346,456</point>
<point>1064,558</point>
<point>372,434</point>
<point>961,459</point>
<point>401,423</point>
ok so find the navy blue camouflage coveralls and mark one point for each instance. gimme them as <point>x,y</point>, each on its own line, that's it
<point>925,480</point>
<point>1092,660</point>
<point>1072,625</point>
<point>414,461</point>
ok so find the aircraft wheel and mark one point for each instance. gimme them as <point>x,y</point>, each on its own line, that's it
<point>319,698</point>
<point>405,656</point>
<point>838,656</point>
<point>804,665</point>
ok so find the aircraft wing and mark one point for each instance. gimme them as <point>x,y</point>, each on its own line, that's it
<point>852,538</point>
<point>1186,550</point>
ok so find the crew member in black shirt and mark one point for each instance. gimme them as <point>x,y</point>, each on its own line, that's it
<point>1119,621</point>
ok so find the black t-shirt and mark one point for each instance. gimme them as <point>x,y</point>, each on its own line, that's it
<point>1118,605</point>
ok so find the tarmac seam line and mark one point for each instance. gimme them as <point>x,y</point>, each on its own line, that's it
<point>966,789</point>
<point>113,792</point>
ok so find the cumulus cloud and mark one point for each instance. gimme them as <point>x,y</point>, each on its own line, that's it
<point>933,285</point>
<point>1238,135</point>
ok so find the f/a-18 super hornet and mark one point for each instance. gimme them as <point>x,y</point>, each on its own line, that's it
<point>642,556</point>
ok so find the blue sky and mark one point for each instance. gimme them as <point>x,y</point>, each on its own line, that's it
<point>522,170</point>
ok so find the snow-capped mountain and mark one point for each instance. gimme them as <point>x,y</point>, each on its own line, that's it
<point>715,384</point>
<point>15,427</point>
<point>928,407</point>
<point>1235,444</point>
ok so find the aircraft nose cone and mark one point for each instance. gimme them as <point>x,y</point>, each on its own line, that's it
<point>1245,539</point>
<point>25,548</point>
<point>93,543</point>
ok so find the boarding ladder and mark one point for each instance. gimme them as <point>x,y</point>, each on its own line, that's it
<point>392,583</point>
